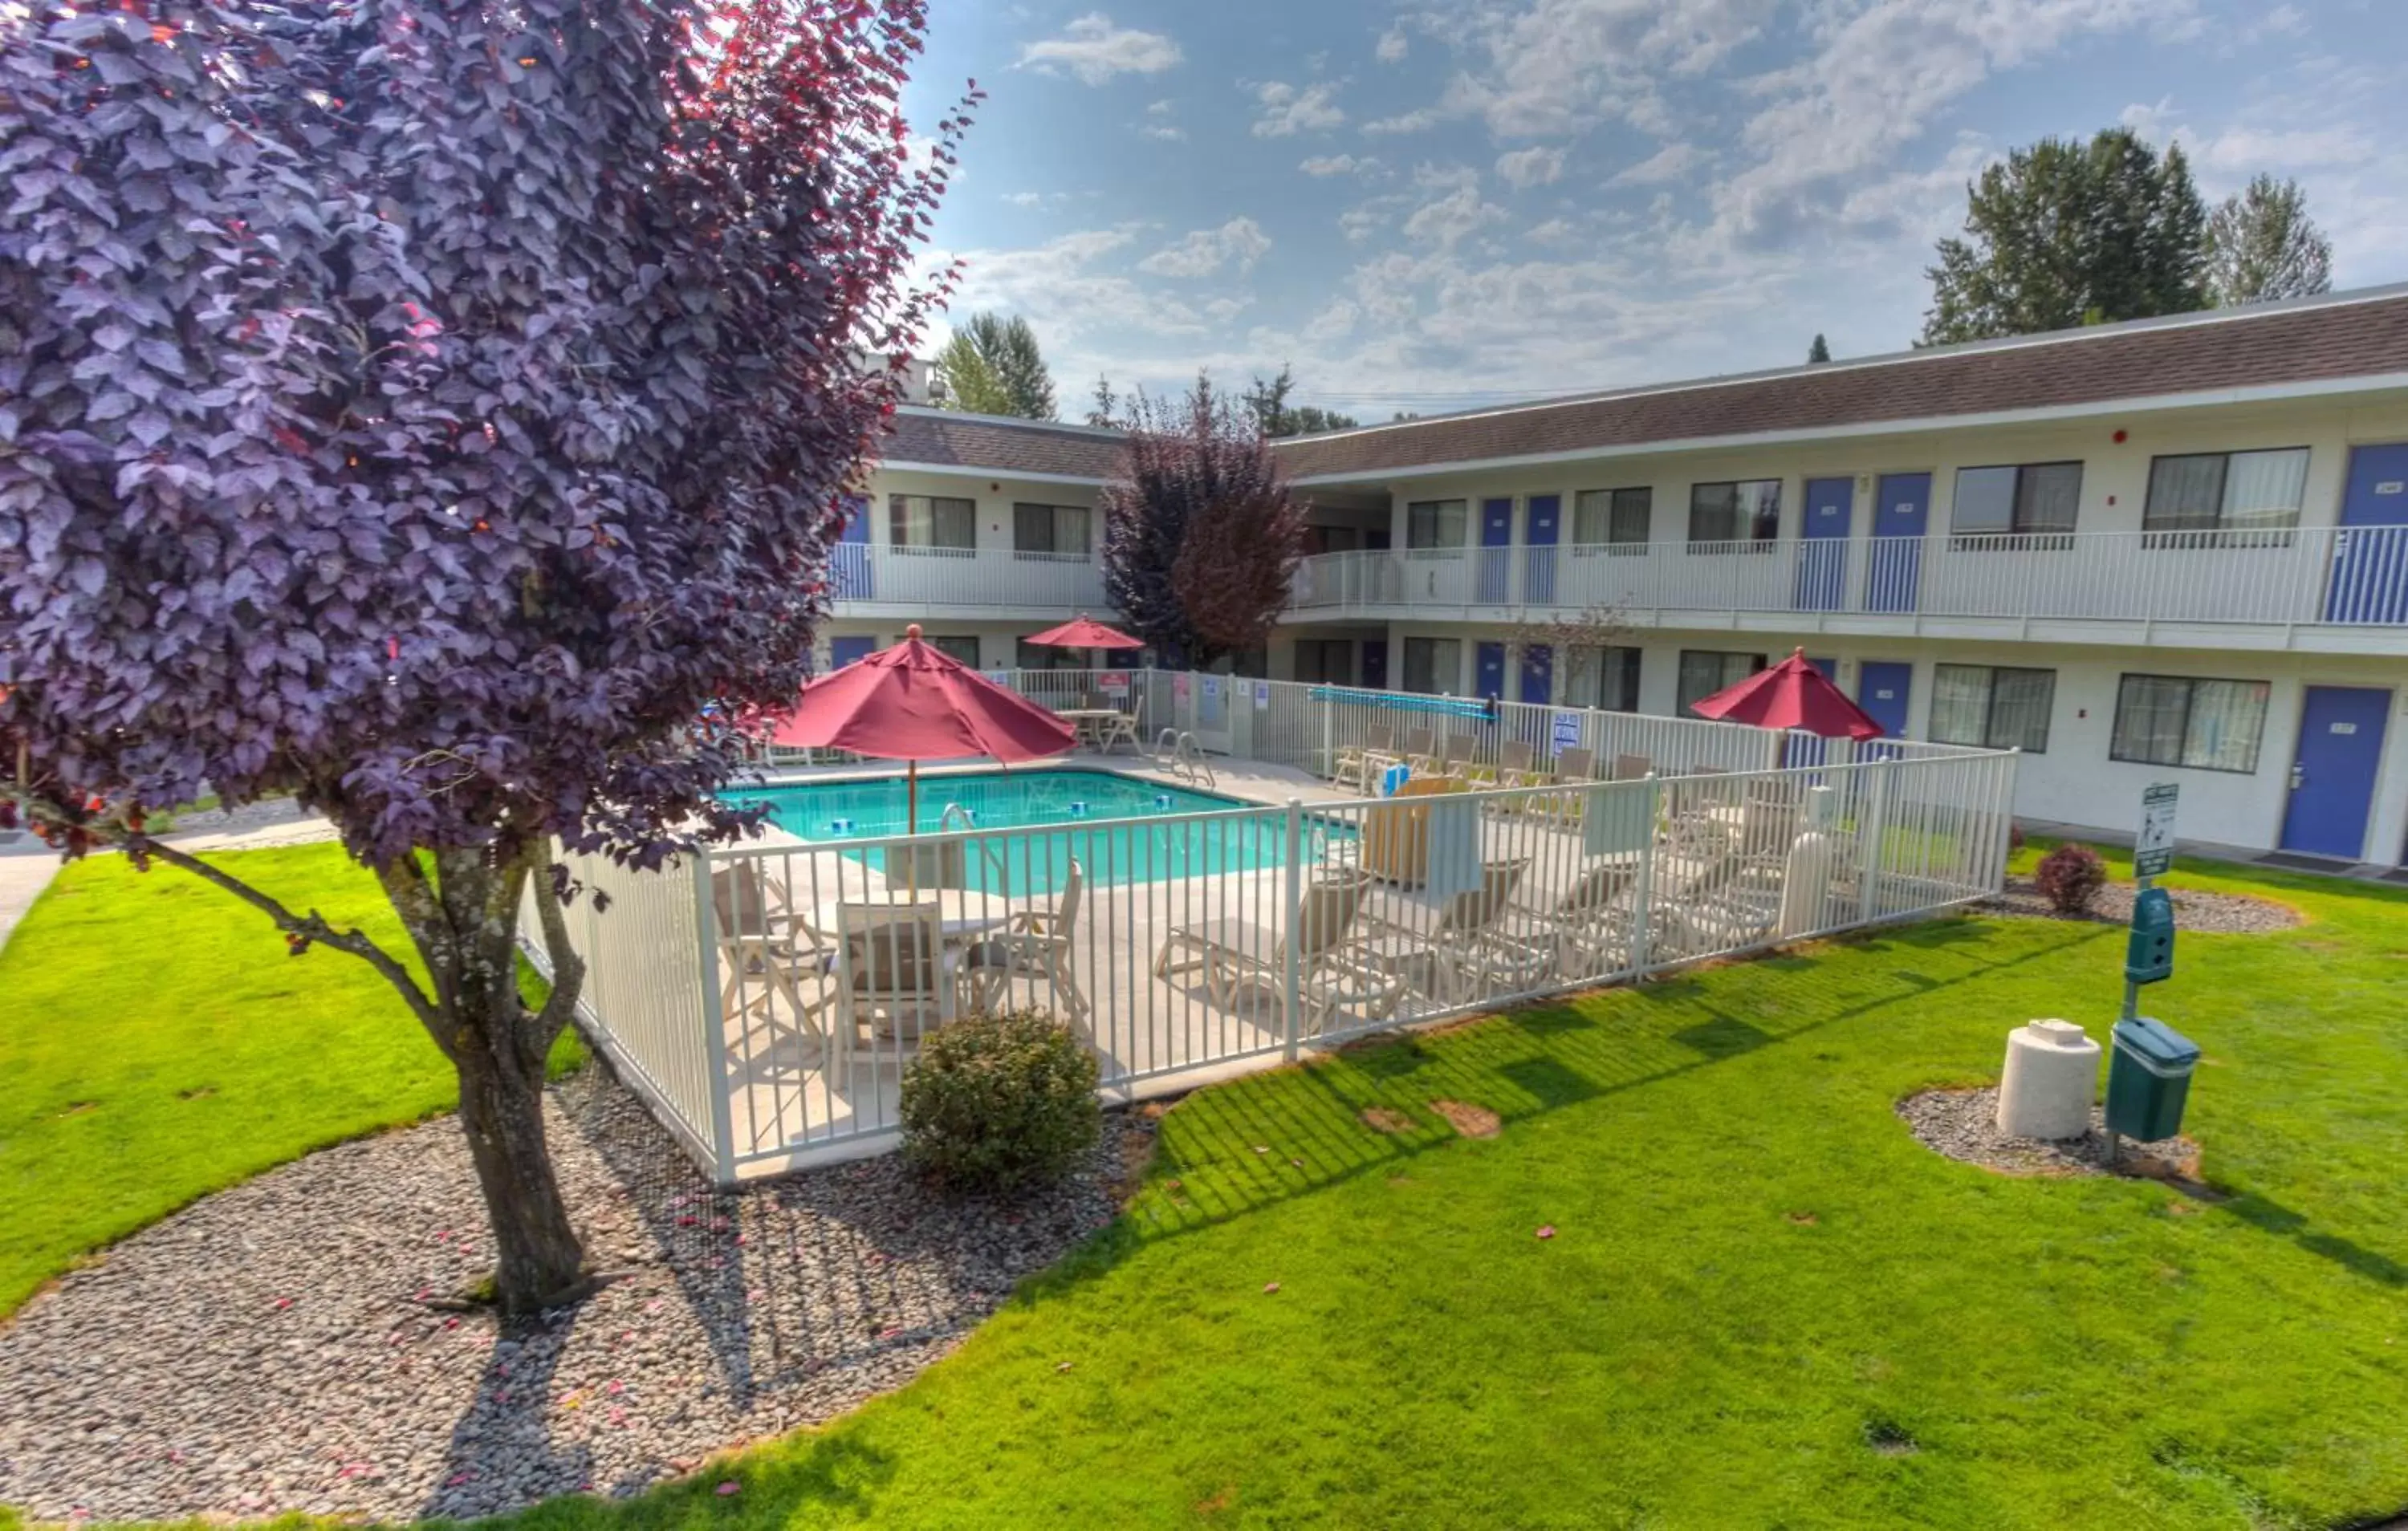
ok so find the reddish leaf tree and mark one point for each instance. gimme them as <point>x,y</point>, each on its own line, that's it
<point>1202,536</point>
<point>432,409</point>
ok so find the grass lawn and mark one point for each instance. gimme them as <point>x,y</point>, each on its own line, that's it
<point>156,1043</point>
<point>1764,1304</point>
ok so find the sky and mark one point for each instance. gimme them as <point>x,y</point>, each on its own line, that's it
<point>1431,204</point>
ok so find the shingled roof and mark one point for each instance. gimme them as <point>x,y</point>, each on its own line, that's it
<point>990,444</point>
<point>2320,340</point>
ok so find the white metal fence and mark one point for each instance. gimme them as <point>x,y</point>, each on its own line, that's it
<point>2351,575</point>
<point>767,1000</point>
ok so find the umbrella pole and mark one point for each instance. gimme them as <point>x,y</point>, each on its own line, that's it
<point>911,828</point>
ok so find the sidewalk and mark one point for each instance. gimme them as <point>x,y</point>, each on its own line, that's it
<point>27,867</point>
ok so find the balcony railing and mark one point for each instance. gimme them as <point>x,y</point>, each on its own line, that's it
<point>967,577</point>
<point>2335,576</point>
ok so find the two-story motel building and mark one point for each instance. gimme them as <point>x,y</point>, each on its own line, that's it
<point>2175,550</point>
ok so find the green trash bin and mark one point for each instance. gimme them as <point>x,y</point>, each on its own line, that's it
<point>2148,1080</point>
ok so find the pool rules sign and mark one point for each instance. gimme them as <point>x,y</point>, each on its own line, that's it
<point>2152,850</point>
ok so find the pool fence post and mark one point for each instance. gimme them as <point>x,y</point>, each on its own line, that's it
<point>1644,888</point>
<point>1294,979</point>
<point>1870,832</point>
<point>714,1026</point>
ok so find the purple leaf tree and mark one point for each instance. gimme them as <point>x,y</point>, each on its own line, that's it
<point>439,412</point>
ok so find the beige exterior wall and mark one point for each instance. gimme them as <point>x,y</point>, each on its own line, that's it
<point>2115,478</point>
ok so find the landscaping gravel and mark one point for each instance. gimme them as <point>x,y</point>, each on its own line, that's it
<point>278,1347</point>
<point>1964,1125</point>
<point>2215,913</point>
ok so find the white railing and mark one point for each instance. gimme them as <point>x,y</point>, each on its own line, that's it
<point>741,997</point>
<point>966,578</point>
<point>2341,576</point>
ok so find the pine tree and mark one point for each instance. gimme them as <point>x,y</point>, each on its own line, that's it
<point>1266,401</point>
<point>2064,234</point>
<point>2261,244</point>
<point>1819,352</point>
<point>992,366</point>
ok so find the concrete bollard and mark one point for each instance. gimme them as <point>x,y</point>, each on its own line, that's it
<point>2052,1072</point>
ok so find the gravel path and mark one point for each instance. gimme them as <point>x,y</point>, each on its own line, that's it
<point>1964,1125</point>
<point>2215,913</point>
<point>271,1349</point>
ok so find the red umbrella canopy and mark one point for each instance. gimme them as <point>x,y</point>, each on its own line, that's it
<point>912,701</point>
<point>1791,695</point>
<point>1087,633</point>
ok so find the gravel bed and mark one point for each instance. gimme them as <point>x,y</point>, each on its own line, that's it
<point>273,1348</point>
<point>2216,913</point>
<point>1964,1125</point>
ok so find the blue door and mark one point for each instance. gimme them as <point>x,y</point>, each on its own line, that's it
<point>2369,567</point>
<point>1492,672</point>
<point>1823,549</point>
<point>2333,777</point>
<point>1902,507</point>
<point>1882,690</point>
<point>1538,674</point>
<point>844,651</point>
<point>1375,664</point>
<point>1495,550</point>
<point>848,571</point>
<point>1542,523</point>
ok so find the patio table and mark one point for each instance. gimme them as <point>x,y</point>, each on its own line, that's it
<point>961,913</point>
<point>1093,723</point>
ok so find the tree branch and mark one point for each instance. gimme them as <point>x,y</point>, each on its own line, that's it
<point>311,926</point>
<point>567,967</point>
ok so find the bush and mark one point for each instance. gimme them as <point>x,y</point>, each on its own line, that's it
<point>2070,877</point>
<point>994,1102</point>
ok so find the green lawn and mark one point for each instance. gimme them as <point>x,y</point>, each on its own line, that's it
<point>156,1043</point>
<point>1764,1304</point>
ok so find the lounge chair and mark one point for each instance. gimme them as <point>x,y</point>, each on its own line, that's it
<point>1421,751</point>
<point>1632,768</point>
<point>1457,759</point>
<point>1575,765</point>
<point>1037,944</point>
<point>1454,959</point>
<point>1585,934</point>
<point>1359,765</point>
<point>1235,954</point>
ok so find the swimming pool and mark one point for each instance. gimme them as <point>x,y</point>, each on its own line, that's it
<point>1098,817</point>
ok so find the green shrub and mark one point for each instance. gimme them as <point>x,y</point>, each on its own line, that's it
<point>994,1102</point>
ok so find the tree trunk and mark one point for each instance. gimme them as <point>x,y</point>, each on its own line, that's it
<point>467,923</point>
<point>537,1258</point>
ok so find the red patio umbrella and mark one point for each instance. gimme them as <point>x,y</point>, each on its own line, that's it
<point>1791,695</point>
<point>914,703</point>
<point>1085,633</point>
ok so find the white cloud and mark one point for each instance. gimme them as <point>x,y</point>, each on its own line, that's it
<point>1420,119</point>
<point>2281,21</point>
<point>1331,165</point>
<point>1168,132</point>
<point>1524,168</point>
<point>1391,47</point>
<point>1287,109</point>
<point>1158,108</point>
<point>2242,151</point>
<point>1668,164</point>
<point>1092,50</point>
<point>1240,241</point>
<point>1915,57</point>
<point>1452,210</point>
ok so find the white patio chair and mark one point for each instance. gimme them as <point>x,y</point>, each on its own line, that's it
<point>1038,944</point>
<point>766,955</point>
<point>1359,765</point>
<point>892,958</point>
<point>1335,975</point>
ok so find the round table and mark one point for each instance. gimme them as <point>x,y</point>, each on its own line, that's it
<point>960,911</point>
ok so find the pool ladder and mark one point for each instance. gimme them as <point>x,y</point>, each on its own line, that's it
<point>990,853</point>
<point>1177,754</point>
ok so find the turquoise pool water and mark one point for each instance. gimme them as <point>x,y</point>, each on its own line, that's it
<point>1097,817</point>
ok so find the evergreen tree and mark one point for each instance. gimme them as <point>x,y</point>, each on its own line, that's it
<point>1104,411</point>
<point>1819,352</point>
<point>2066,233</point>
<point>1268,403</point>
<point>992,366</point>
<point>2261,244</point>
